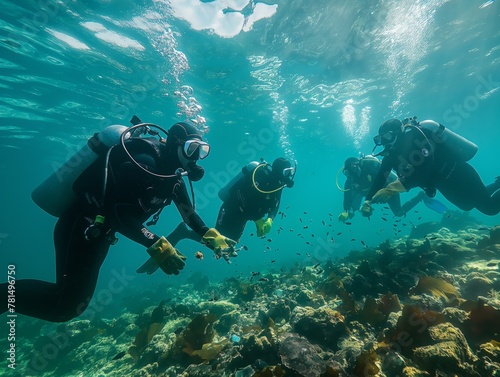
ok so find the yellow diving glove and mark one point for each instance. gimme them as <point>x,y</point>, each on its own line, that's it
<point>222,246</point>
<point>343,216</point>
<point>170,260</point>
<point>383,195</point>
<point>366,209</point>
<point>263,226</point>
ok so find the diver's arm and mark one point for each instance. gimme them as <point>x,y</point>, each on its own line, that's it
<point>380,178</point>
<point>348,195</point>
<point>127,219</point>
<point>274,211</point>
<point>186,210</point>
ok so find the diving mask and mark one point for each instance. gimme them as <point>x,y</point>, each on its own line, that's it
<point>352,170</point>
<point>289,172</point>
<point>386,138</point>
<point>196,149</point>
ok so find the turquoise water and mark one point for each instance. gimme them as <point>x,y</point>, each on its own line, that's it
<point>309,80</point>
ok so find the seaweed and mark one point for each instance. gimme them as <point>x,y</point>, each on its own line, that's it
<point>197,333</point>
<point>366,364</point>
<point>436,287</point>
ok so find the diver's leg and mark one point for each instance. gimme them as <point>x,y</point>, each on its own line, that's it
<point>466,190</point>
<point>77,266</point>
<point>231,222</point>
<point>493,187</point>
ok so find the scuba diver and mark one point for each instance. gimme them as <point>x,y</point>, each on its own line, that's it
<point>122,179</point>
<point>360,173</point>
<point>428,155</point>
<point>251,195</point>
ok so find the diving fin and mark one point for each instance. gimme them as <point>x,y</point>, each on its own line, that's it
<point>435,205</point>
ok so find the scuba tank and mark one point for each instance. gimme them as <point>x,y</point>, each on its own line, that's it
<point>461,148</point>
<point>224,192</point>
<point>55,195</point>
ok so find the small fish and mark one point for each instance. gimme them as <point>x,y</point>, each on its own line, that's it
<point>291,230</point>
<point>353,239</point>
<point>269,240</point>
<point>264,280</point>
<point>245,247</point>
<point>119,355</point>
<point>483,228</point>
<point>308,255</point>
<point>330,215</point>
<point>251,234</point>
<point>312,235</point>
<point>300,219</point>
<point>339,233</point>
<point>306,227</point>
<point>316,265</point>
<point>420,217</point>
<point>492,264</point>
<point>273,261</point>
<point>363,243</point>
<point>348,223</point>
<point>323,222</point>
<point>383,218</point>
<point>255,273</point>
<point>432,238</point>
<point>297,253</point>
<point>305,213</point>
<point>307,242</point>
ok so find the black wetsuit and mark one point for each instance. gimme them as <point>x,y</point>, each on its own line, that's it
<point>132,197</point>
<point>421,162</point>
<point>246,203</point>
<point>359,186</point>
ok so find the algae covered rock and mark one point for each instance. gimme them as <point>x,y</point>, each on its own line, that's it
<point>491,350</point>
<point>218,307</point>
<point>226,321</point>
<point>280,310</point>
<point>301,356</point>
<point>261,346</point>
<point>476,285</point>
<point>309,298</point>
<point>323,325</point>
<point>414,372</point>
<point>449,351</point>
<point>495,235</point>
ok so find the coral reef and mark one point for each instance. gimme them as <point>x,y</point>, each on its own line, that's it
<point>414,307</point>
